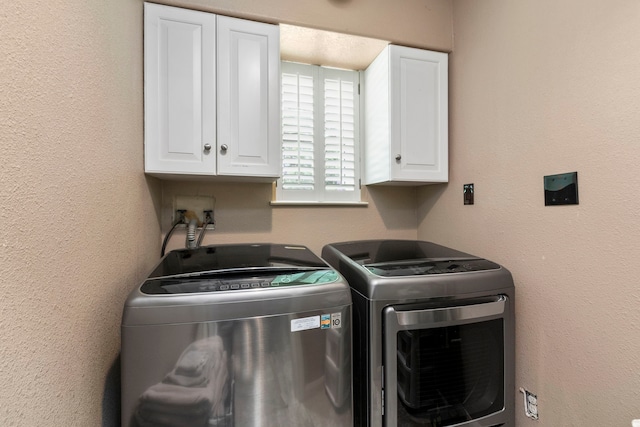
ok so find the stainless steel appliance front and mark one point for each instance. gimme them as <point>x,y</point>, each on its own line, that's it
<point>266,344</point>
<point>447,364</point>
<point>433,335</point>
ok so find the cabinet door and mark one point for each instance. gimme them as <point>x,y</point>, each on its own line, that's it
<point>419,115</point>
<point>180,86</point>
<point>248,98</point>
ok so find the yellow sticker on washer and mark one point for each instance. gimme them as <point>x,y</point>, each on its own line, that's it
<point>325,321</point>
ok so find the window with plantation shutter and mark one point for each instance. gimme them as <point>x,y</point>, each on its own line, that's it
<point>320,135</point>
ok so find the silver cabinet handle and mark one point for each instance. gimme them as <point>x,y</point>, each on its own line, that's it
<point>398,157</point>
<point>224,147</point>
<point>207,147</point>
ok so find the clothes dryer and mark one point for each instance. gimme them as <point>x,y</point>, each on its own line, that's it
<point>433,334</point>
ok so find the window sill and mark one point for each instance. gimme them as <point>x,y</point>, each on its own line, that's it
<point>319,204</point>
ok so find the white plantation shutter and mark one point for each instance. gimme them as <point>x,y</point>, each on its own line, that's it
<point>320,130</point>
<point>339,130</point>
<point>297,132</point>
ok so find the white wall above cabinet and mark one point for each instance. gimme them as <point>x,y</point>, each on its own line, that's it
<point>406,117</point>
<point>212,95</point>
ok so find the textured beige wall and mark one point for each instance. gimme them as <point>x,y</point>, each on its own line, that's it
<point>419,23</point>
<point>541,87</point>
<point>243,215</point>
<point>79,225</point>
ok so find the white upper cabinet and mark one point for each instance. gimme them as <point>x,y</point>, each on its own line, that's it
<point>406,117</point>
<point>211,95</point>
<point>179,90</point>
<point>248,98</point>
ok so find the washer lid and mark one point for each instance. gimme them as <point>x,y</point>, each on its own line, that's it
<point>230,258</point>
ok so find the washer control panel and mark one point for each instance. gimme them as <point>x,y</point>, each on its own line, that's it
<point>235,282</point>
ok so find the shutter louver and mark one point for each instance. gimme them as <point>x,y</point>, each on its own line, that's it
<point>297,132</point>
<point>320,160</point>
<point>339,135</point>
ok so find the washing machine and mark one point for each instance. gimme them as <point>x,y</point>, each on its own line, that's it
<point>433,334</point>
<point>238,336</point>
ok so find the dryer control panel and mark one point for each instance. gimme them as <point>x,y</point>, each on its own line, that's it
<point>418,267</point>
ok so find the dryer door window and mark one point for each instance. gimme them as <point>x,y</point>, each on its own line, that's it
<point>444,366</point>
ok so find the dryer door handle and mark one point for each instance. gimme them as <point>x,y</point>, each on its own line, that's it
<point>445,316</point>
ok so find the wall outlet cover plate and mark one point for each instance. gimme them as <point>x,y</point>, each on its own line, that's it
<point>561,189</point>
<point>530,404</point>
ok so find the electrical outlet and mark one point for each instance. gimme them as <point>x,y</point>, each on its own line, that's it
<point>530,404</point>
<point>194,206</point>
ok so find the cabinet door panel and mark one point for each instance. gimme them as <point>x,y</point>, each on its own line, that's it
<point>377,147</point>
<point>180,116</point>
<point>419,114</point>
<point>248,98</point>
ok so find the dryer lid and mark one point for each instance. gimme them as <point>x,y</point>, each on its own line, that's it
<point>422,266</point>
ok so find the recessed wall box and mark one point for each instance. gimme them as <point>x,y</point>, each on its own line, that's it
<point>561,189</point>
<point>468,194</point>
